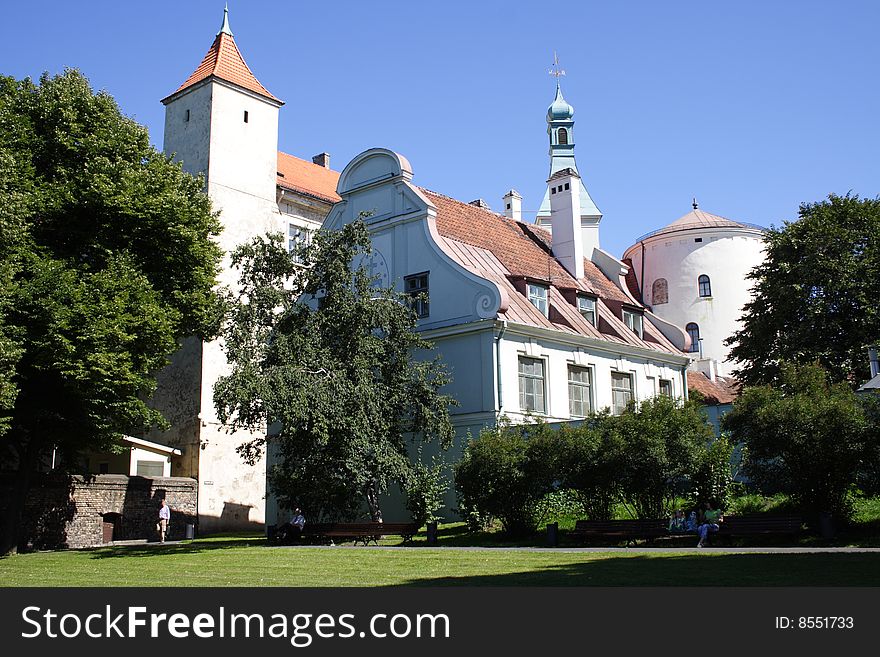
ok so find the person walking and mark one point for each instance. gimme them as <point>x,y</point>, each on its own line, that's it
<point>164,519</point>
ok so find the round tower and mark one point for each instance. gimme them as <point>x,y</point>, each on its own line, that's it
<point>693,273</point>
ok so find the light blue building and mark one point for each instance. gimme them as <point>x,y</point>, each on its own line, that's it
<point>528,324</point>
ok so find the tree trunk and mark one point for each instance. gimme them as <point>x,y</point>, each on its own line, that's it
<point>10,529</point>
<point>372,495</point>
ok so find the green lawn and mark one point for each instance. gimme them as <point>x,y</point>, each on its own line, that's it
<point>249,562</point>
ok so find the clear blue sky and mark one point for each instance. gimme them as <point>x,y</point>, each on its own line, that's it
<point>752,106</point>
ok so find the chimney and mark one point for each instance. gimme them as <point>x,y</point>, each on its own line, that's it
<point>512,205</point>
<point>480,203</point>
<point>565,217</point>
<point>322,160</point>
<point>872,356</point>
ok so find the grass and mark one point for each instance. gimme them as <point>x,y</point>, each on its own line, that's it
<point>248,561</point>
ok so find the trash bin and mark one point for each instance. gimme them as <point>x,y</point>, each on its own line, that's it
<point>553,534</point>
<point>826,525</point>
<point>190,531</point>
<point>432,533</point>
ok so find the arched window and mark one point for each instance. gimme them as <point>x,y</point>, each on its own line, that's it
<point>705,286</point>
<point>562,136</point>
<point>660,292</point>
<point>694,331</point>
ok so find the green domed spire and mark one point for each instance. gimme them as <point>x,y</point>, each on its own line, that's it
<point>559,109</point>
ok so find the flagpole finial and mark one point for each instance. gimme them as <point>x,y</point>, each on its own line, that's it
<point>556,71</point>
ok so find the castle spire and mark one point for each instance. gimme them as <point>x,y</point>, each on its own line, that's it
<point>560,129</point>
<point>224,29</point>
<point>224,61</point>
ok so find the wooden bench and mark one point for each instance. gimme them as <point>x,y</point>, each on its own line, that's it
<point>628,530</point>
<point>361,532</point>
<point>759,524</point>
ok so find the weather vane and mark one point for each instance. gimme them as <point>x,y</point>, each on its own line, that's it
<point>556,71</point>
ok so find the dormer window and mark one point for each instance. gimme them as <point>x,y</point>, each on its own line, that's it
<point>538,298</point>
<point>633,321</point>
<point>587,308</point>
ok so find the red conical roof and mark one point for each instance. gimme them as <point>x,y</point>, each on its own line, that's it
<point>224,61</point>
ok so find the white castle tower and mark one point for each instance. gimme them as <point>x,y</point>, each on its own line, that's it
<point>221,123</point>
<point>692,273</point>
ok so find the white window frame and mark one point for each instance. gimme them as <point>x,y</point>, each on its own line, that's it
<point>660,385</point>
<point>297,234</point>
<point>579,385</point>
<point>634,321</point>
<point>587,305</point>
<point>616,408</point>
<point>521,377</point>
<point>537,295</point>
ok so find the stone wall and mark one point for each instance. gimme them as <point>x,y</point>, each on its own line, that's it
<point>70,511</point>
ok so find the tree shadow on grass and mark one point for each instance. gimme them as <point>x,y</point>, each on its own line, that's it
<point>847,569</point>
<point>184,547</point>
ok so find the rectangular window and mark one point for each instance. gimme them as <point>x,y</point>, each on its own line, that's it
<point>531,385</point>
<point>150,468</point>
<point>633,321</point>
<point>538,298</point>
<point>666,387</point>
<point>621,391</point>
<point>187,116</point>
<point>245,116</point>
<point>297,238</point>
<point>417,287</point>
<point>587,308</point>
<point>580,401</point>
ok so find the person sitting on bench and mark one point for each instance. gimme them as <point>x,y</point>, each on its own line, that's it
<point>292,530</point>
<point>709,523</point>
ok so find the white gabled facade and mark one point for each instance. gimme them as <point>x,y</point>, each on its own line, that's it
<point>481,320</point>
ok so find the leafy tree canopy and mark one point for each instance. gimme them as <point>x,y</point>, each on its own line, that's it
<point>806,437</point>
<point>106,259</point>
<point>815,294</point>
<point>326,360</point>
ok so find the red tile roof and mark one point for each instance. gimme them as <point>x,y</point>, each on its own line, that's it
<point>224,61</point>
<point>306,177</point>
<point>503,250</point>
<point>723,390</point>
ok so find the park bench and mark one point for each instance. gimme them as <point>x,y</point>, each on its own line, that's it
<point>758,524</point>
<point>361,532</point>
<point>628,530</point>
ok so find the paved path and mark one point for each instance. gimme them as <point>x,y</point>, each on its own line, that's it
<point>613,550</point>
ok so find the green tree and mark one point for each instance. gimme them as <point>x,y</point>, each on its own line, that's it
<point>112,261</point>
<point>661,443</point>
<point>815,294</point>
<point>806,437</point>
<point>327,360</point>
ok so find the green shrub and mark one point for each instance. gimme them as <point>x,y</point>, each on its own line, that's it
<point>563,506</point>
<point>503,474</point>
<point>713,477</point>
<point>661,442</point>
<point>425,489</point>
